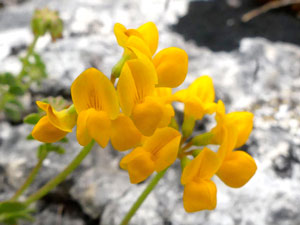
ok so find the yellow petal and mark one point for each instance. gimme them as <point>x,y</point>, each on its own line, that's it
<point>124,134</point>
<point>168,113</point>
<point>227,143</point>
<point>203,89</point>
<point>139,165</point>
<point>64,120</point>
<point>99,126</point>
<point>204,166</point>
<point>163,145</point>
<point>200,195</point>
<point>139,44</point>
<point>82,133</point>
<point>42,105</point>
<point>127,91</point>
<point>119,31</point>
<point>171,66</point>
<point>147,117</point>
<point>243,122</point>
<point>150,35</point>
<point>44,131</point>
<point>92,89</point>
<point>237,169</point>
<point>135,83</point>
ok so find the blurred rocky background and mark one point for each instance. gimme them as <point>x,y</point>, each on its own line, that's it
<point>255,66</point>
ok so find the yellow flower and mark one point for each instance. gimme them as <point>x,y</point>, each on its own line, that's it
<point>147,34</point>
<point>138,97</point>
<point>237,167</point>
<point>242,122</point>
<point>96,103</point>
<point>55,125</point>
<point>198,98</point>
<point>200,192</point>
<point>156,154</point>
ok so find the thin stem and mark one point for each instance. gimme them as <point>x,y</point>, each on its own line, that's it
<point>62,176</point>
<point>267,7</point>
<point>26,58</point>
<point>142,197</point>
<point>30,178</point>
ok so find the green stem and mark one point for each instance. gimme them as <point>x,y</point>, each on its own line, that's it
<point>26,58</point>
<point>30,178</point>
<point>142,197</point>
<point>62,176</point>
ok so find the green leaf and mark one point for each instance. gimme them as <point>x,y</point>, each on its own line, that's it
<point>7,78</point>
<point>13,109</point>
<point>11,212</point>
<point>29,137</point>
<point>64,140</point>
<point>16,90</point>
<point>48,147</point>
<point>32,118</point>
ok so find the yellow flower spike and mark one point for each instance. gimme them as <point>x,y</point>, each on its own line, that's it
<point>156,154</point>
<point>200,195</point>
<point>135,83</point>
<point>96,102</point>
<point>139,165</point>
<point>124,133</point>
<point>237,169</point>
<point>44,131</point>
<point>198,98</point>
<point>171,66</point>
<point>242,122</point>
<point>199,191</point>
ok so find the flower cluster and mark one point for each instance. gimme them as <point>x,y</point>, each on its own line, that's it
<point>137,113</point>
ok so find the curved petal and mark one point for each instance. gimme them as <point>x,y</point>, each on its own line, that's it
<point>139,165</point>
<point>92,89</point>
<point>139,44</point>
<point>135,83</point>
<point>82,133</point>
<point>204,166</point>
<point>147,117</point>
<point>124,134</point>
<point>127,91</point>
<point>164,146</point>
<point>243,122</point>
<point>121,37</point>
<point>64,120</point>
<point>99,126</point>
<point>171,66</point>
<point>237,169</point>
<point>150,35</point>
<point>42,105</point>
<point>199,196</point>
<point>168,113</point>
<point>44,131</point>
<point>203,89</point>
